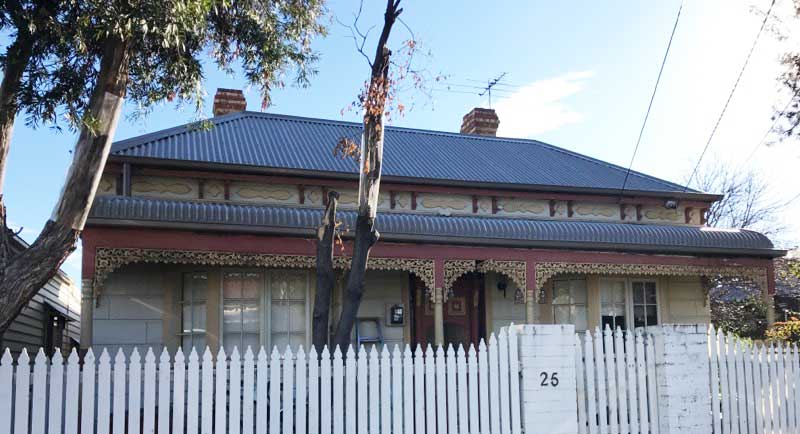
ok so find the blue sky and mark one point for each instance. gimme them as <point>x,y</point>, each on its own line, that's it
<point>583,73</point>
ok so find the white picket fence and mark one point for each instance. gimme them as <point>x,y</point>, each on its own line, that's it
<point>433,391</point>
<point>754,388</point>
<point>616,382</point>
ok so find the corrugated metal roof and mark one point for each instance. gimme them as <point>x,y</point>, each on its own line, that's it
<point>295,143</point>
<point>426,227</point>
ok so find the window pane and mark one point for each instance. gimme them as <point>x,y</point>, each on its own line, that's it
<point>578,293</point>
<point>638,316</point>
<point>652,315</point>
<point>186,318</point>
<point>232,285</point>
<point>250,322</point>
<point>650,293</point>
<point>231,317</point>
<point>281,340</point>
<point>194,286</point>
<point>638,293</point>
<point>560,293</point>
<point>579,317</point>
<point>199,319</point>
<point>250,285</point>
<point>198,342</point>
<point>561,315</point>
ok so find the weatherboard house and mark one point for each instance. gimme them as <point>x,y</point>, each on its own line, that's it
<point>206,236</point>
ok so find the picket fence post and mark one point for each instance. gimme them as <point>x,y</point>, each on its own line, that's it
<point>548,385</point>
<point>681,358</point>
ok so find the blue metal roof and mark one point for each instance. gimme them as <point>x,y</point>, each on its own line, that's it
<point>268,140</point>
<point>453,229</point>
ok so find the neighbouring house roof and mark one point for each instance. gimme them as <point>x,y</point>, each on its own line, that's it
<point>294,145</point>
<point>121,210</point>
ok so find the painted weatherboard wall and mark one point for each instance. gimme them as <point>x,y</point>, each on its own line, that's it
<point>382,290</point>
<point>501,309</point>
<point>28,329</point>
<point>684,301</point>
<point>128,312</point>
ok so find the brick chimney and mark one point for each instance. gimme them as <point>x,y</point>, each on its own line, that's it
<point>229,101</point>
<point>480,121</point>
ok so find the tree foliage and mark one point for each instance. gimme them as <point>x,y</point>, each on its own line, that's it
<point>791,81</point>
<point>83,58</point>
<point>743,314</point>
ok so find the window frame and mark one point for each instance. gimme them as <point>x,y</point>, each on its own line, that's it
<point>265,304</point>
<point>628,281</point>
<point>585,304</point>
<point>181,303</point>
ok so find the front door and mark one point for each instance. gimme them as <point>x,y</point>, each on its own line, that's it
<point>464,313</point>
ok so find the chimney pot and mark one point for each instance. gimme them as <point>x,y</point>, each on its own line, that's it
<point>480,121</point>
<point>229,101</point>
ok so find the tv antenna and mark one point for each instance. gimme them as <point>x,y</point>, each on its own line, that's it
<point>490,85</point>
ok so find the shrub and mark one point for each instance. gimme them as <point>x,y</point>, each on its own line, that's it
<point>785,331</point>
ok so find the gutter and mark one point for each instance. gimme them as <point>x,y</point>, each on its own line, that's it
<point>449,240</point>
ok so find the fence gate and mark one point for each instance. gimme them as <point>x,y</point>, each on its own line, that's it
<point>616,382</point>
<point>444,391</point>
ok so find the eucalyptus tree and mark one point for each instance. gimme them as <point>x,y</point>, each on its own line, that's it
<point>79,60</point>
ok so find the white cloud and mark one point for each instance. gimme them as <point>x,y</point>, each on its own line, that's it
<point>539,106</point>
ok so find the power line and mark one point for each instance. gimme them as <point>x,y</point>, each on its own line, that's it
<point>652,98</point>
<point>778,117</point>
<point>730,95</point>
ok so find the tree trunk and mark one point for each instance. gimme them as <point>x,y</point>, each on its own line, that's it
<point>28,271</point>
<point>325,274</point>
<point>370,178</point>
<point>17,58</point>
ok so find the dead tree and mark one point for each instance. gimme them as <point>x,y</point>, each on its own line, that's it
<point>326,277</point>
<point>371,158</point>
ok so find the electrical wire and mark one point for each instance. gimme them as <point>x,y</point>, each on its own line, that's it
<point>652,98</point>
<point>730,95</point>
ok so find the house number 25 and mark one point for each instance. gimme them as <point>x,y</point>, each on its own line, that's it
<point>549,379</point>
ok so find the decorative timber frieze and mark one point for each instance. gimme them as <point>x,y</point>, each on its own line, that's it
<point>514,270</point>
<point>547,270</point>
<point>107,260</point>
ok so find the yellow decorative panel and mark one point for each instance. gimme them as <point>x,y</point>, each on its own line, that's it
<point>154,186</point>
<point>107,186</point>
<point>591,211</point>
<point>444,203</point>
<point>402,201</point>
<point>213,190</point>
<point>523,207</point>
<point>263,193</point>
<point>313,196</point>
<point>661,214</point>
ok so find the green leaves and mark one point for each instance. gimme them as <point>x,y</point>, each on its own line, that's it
<point>168,41</point>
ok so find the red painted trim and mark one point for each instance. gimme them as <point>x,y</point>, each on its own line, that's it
<point>201,186</point>
<point>301,194</point>
<point>392,199</point>
<point>324,196</point>
<point>475,204</point>
<point>638,213</point>
<point>227,185</point>
<point>687,214</point>
<point>95,237</point>
<point>494,205</point>
<point>413,200</point>
<point>552,204</point>
<point>337,183</point>
<point>570,212</point>
<point>622,212</point>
